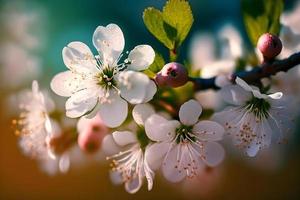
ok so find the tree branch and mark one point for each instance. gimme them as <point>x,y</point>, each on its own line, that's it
<point>252,77</point>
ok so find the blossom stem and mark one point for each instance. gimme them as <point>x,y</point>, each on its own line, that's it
<point>265,70</point>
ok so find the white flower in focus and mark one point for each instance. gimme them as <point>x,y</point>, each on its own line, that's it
<point>184,148</point>
<point>35,123</point>
<point>128,150</point>
<point>254,118</point>
<point>100,83</point>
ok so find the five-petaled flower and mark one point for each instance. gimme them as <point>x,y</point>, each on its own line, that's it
<point>254,118</point>
<point>184,148</point>
<point>99,84</point>
<point>129,151</point>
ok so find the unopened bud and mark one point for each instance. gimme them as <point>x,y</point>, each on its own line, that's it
<point>269,45</point>
<point>172,74</point>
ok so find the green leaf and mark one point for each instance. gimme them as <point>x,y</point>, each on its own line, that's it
<point>153,20</point>
<point>178,14</point>
<point>261,16</point>
<point>172,25</point>
<point>158,63</point>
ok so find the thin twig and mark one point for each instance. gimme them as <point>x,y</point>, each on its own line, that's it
<point>255,75</point>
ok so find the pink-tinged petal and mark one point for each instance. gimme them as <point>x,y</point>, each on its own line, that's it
<point>189,112</point>
<point>116,177</point>
<point>170,167</point>
<point>155,154</point>
<point>243,84</point>
<point>213,153</point>
<point>133,185</point>
<point>109,41</point>
<point>113,112</point>
<point>64,163</point>
<point>123,138</point>
<point>252,149</point>
<point>141,112</point>
<point>158,128</point>
<point>109,146</point>
<point>208,131</point>
<point>78,57</point>
<point>234,94</point>
<point>141,57</point>
<point>148,172</point>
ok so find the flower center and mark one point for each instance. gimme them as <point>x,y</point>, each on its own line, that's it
<point>142,138</point>
<point>259,107</point>
<point>106,78</point>
<point>184,133</point>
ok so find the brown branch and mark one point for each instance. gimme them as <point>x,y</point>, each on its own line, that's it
<point>255,75</point>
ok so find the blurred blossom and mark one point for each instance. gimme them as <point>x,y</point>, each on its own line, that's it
<point>20,38</point>
<point>204,56</point>
<point>18,66</point>
<point>291,18</point>
<point>91,133</point>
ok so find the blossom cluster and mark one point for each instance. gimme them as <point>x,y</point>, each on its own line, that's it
<point>145,123</point>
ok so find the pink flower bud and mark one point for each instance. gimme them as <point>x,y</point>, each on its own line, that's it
<point>269,45</point>
<point>91,135</point>
<point>172,74</point>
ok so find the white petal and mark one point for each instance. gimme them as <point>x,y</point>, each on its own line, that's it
<point>208,131</point>
<point>155,154</point>
<point>123,138</point>
<point>189,112</point>
<point>109,41</point>
<point>66,83</point>
<point>141,57</point>
<point>276,95</point>
<point>170,172</point>
<point>114,112</point>
<point>81,103</point>
<point>133,86</point>
<point>158,128</point>
<point>149,175</point>
<point>222,81</point>
<point>141,112</point>
<point>116,177</point>
<point>64,163</point>
<point>150,91</point>
<point>214,153</point>
<point>234,94</point>
<point>78,57</point>
<point>259,95</point>
<point>109,146</point>
<point>252,149</point>
<point>133,185</point>
<point>243,84</point>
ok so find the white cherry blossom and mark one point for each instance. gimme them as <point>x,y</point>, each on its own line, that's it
<point>254,117</point>
<point>184,147</point>
<point>128,150</point>
<point>100,84</point>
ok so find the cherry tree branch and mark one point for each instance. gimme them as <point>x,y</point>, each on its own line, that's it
<point>264,70</point>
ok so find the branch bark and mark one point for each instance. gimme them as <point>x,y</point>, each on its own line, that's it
<point>255,75</point>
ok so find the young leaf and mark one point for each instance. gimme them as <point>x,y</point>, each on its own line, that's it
<point>261,16</point>
<point>172,25</point>
<point>178,14</point>
<point>153,20</point>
